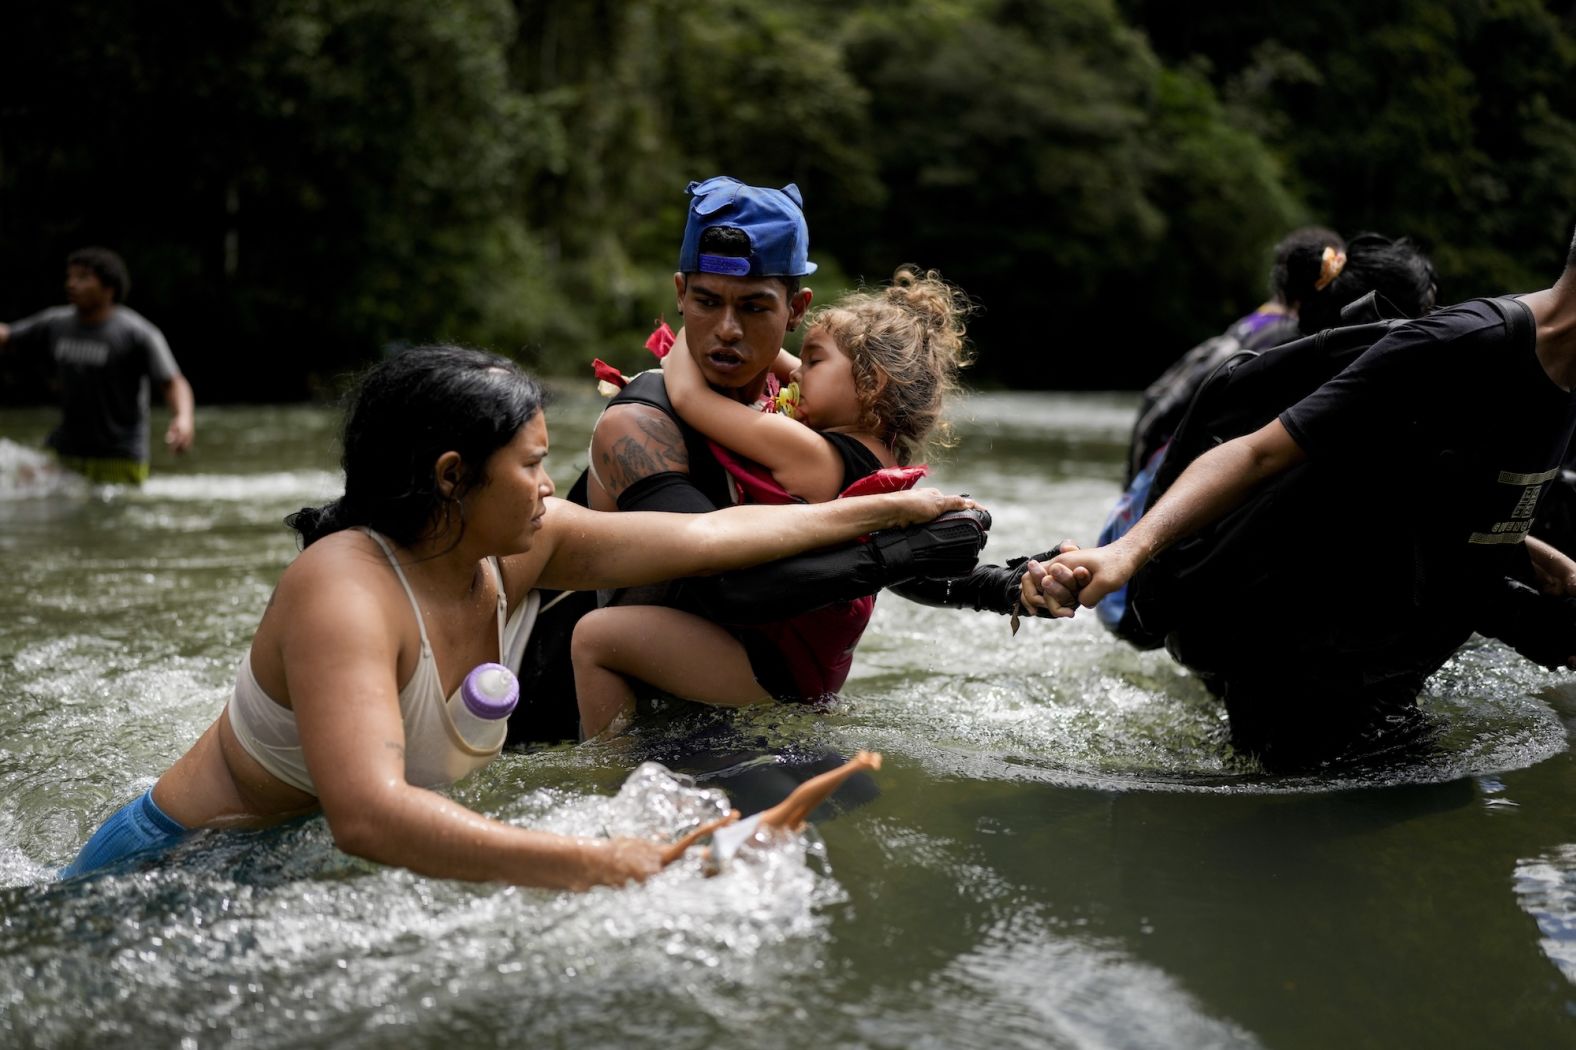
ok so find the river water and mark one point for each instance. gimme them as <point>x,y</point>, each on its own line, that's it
<point>1063,852</point>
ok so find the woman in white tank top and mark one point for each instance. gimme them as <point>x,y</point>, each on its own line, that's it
<point>445,529</point>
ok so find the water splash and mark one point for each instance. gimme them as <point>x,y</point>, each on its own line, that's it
<point>31,473</point>
<point>275,936</point>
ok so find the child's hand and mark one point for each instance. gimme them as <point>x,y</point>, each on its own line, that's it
<point>785,366</point>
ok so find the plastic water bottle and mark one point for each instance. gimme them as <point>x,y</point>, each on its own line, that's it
<point>480,711</point>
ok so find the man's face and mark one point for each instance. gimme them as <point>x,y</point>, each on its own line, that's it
<point>735,325</point>
<point>85,291</point>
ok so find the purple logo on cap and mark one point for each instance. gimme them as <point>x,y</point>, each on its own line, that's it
<point>729,265</point>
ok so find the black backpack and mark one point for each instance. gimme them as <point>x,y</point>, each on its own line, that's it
<point>1226,574</point>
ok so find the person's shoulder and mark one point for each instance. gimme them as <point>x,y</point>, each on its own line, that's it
<point>646,388</point>
<point>50,317</point>
<point>1461,319</point>
<point>347,566</point>
<point>337,595</point>
<point>640,406</point>
<point>131,320</point>
<point>861,454</point>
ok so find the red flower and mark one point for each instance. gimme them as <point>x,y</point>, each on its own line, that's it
<point>606,373</point>
<point>661,340</point>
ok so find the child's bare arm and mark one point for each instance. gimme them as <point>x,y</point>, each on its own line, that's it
<point>785,366</point>
<point>786,447</point>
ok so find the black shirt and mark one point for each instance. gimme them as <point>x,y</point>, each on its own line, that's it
<point>1453,426</point>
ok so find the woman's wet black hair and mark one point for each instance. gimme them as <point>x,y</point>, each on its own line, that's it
<point>405,413</point>
<point>1396,268</point>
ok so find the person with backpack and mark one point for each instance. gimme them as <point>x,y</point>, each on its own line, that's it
<point>1307,260</point>
<point>1372,277</point>
<point>1351,543</point>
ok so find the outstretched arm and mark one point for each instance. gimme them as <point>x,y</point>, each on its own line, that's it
<point>802,461</point>
<point>645,467</point>
<point>579,549</point>
<point>1215,483</point>
<point>941,549</point>
<point>340,650</point>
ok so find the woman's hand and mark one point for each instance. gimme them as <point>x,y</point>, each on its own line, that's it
<point>920,505</point>
<point>618,862</point>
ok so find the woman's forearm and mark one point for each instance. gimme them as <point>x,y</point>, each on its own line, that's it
<point>592,550</point>
<point>426,833</point>
<point>736,537</point>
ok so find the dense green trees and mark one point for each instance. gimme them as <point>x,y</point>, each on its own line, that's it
<point>299,184</point>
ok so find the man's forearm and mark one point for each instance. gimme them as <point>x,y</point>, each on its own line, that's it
<point>1213,484</point>
<point>178,395</point>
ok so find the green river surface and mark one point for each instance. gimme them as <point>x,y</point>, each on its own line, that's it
<point>1063,851</point>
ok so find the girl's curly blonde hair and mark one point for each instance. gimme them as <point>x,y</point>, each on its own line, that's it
<point>905,341</point>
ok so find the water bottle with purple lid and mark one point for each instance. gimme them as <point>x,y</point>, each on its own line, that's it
<point>480,710</point>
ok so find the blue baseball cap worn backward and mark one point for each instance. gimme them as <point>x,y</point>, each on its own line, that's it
<point>773,220</point>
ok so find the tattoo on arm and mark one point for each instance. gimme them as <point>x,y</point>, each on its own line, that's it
<point>659,447</point>
<point>397,747</point>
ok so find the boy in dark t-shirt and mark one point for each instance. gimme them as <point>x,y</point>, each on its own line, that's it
<point>1428,455</point>
<point>107,358</point>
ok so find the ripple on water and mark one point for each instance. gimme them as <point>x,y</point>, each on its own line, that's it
<point>1029,984</point>
<point>265,487</point>
<point>1072,705</point>
<point>1546,890</point>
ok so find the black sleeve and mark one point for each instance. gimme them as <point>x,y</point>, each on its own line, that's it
<point>946,547</point>
<point>989,588</point>
<point>668,492</point>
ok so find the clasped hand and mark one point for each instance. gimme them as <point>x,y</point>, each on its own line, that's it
<point>1075,577</point>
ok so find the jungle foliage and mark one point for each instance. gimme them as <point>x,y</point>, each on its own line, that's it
<point>299,185</point>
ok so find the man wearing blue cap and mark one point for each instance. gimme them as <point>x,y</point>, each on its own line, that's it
<point>745,249</point>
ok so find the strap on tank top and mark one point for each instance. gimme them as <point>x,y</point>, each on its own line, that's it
<point>421,623</point>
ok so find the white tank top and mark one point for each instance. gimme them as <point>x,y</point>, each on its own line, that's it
<point>435,755</point>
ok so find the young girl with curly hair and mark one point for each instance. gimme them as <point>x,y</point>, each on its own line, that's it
<point>866,395</point>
